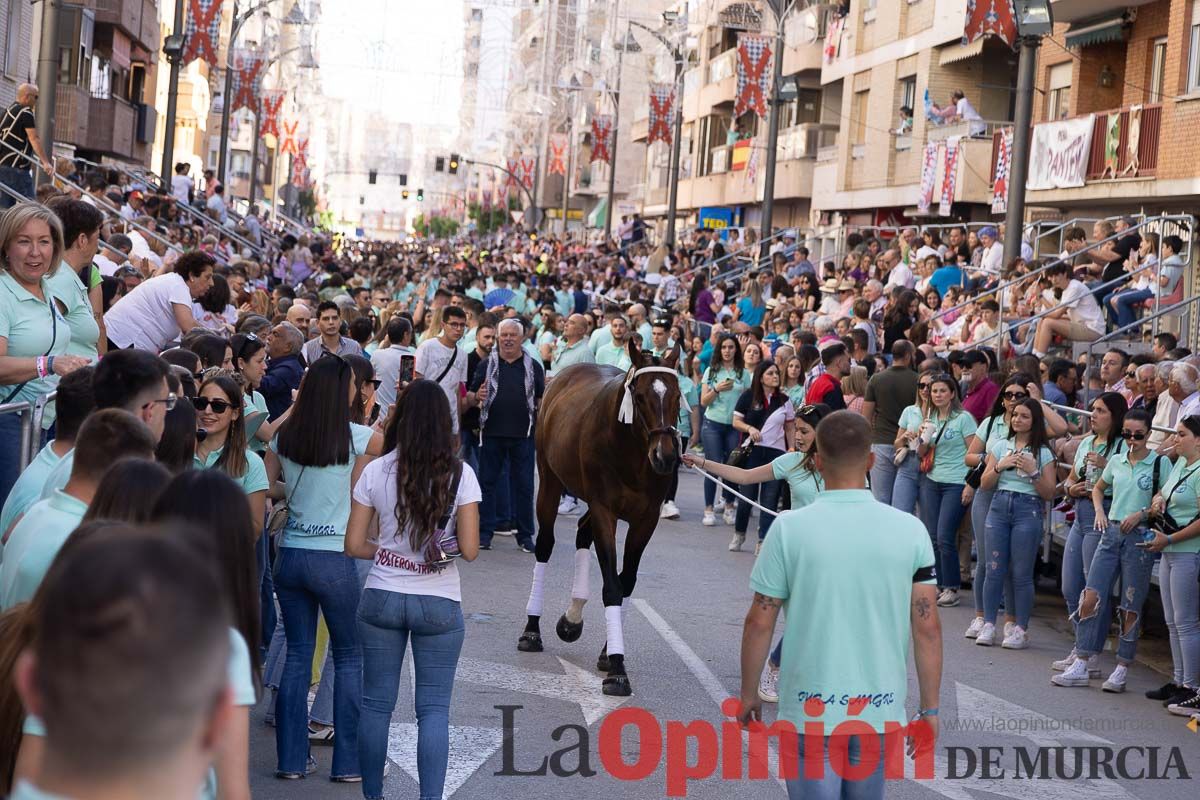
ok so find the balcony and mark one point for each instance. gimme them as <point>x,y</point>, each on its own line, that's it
<point>71,106</point>
<point>1076,10</point>
<point>720,82</point>
<point>128,15</point>
<point>110,127</point>
<point>151,33</point>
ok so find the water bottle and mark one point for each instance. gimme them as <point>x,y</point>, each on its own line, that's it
<point>1089,476</point>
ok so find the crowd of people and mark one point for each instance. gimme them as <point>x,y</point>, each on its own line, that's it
<point>366,414</point>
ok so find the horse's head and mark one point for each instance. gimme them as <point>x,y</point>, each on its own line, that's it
<point>656,400</point>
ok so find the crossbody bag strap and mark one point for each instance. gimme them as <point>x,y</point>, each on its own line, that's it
<point>53,338</point>
<point>449,364</point>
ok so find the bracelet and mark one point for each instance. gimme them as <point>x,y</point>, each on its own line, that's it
<point>50,365</point>
<point>703,461</point>
<point>40,366</point>
<point>928,712</point>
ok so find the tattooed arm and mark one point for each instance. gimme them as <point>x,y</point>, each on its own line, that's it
<point>756,644</point>
<point>927,646</point>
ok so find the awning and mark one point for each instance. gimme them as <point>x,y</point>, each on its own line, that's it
<point>959,52</point>
<point>596,219</point>
<point>1097,31</point>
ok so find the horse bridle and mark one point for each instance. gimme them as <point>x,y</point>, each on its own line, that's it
<point>629,409</point>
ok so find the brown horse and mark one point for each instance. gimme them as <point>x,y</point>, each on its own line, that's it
<point>609,439</point>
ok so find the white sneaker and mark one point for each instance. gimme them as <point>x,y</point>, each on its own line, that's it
<point>768,685</point>
<point>730,515</point>
<point>1116,681</point>
<point>709,520</point>
<point>1074,675</point>
<point>948,598</point>
<point>1008,629</point>
<point>669,511</point>
<point>1017,640</point>
<point>987,635</point>
<point>974,628</point>
<point>569,505</point>
<point>719,505</point>
<point>1063,663</point>
<point>1093,666</point>
<point>735,544</point>
<point>758,548</point>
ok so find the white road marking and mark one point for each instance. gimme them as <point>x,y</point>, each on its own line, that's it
<point>976,704</point>
<point>578,686</point>
<point>469,748</point>
<point>712,685</point>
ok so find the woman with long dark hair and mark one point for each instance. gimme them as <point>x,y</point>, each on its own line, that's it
<point>250,361</point>
<point>1104,442</point>
<point>901,315</point>
<point>318,452</point>
<point>1022,473</point>
<point>221,409</point>
<point>423,497</point>
<point>114,501</point>
<point>177,446</point>
<point>721,386</point>
<point>363,409</point>
<point>766,416</point>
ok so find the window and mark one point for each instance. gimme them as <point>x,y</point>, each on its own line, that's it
<point>1158,69</point>
<point>1193,66</point>
<point>1058,98</point>
<point>859,122</point>
<point>908,92</point>
<point>12,39</point>
<point>476,14</point>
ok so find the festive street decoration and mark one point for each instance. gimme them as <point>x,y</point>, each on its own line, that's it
<point>527,165</point>
<point>991,17</point>
<point>558,154</point>
<point>247,78</point>
<point>288,146</point>
<point>269,105</point>
<point>662,111</point>
<point>203,32</point>
<point>602,138</point>
<point>753,77</point>
<point>928,177</point>
<point>949,176</point>
<point>1003,170</point>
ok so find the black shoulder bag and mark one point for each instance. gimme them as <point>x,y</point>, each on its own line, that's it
<point>975,476</point>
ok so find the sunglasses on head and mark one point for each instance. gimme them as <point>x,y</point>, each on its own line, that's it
<point>1016,395</point>
<point>1134,435</point>
<point>218,406</point>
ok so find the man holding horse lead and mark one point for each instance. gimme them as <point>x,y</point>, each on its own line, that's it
<point>507,387</point>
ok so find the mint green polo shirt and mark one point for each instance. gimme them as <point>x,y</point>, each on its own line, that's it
<point>1182,490</point>
<point>1091,444</point>
<point>910,419</point>
<point>319,497</point>
<point>66,287</point>
<point>34,543</point>
<point>1133,484</point>
<point>949,465</point>
<point>253,480</point>
<point>600,337</point>
<point>999,431</point>
<point>690,392</point>
<point>803,484</point>
<point>28,488</point>
<point>565,355</point>
<point>253,403</point>
<point>721,408</point>
<point>27,791</point>
<point>848,563</point>
<point>615,355</point>
<point>33,328</point>
<point>1013,480</point>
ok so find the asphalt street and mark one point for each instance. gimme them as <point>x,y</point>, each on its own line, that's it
<point>683,634</point>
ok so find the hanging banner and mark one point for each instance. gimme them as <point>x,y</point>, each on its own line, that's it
<point>247,78</point>
<point>833,38</point>
<point>300,164</point>
<point>602,138</point>
<point>928,175</point>
<point>1112,145</point>
<point>753,76</point>
<point>1003,168</point>
<point>990,17</point>
<point>203,31</point>
<point>662,109</point>
<point>527,166</point>
<point>514,171</point>
<point>558,154</point>
<point>752,163</point>
<point>1060,153</point>
<point>269,104</point>
<point>949,176</point>
<point>1134,141</point>
<point>288,144</point>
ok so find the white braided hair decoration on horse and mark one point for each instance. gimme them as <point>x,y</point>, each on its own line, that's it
<point>626,413</point>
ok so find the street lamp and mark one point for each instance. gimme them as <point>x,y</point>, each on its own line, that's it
<point>572,89</point>
<point>673,172</point>
<point>628,45</point>
<point>173,50</point>
<point>1034,20</point>
<point>779,11</point>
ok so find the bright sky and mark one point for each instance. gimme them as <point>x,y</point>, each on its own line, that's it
<point>402,58</point>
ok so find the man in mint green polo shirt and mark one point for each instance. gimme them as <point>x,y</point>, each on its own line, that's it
<point>863,575</point>
<point>106,437</point>
<point>616,352</point>
<point>572,348</point>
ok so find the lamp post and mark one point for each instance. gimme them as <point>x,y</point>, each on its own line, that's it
<point>628,45</point>
<point>673,172</point>
<point>768,205</point>
<point>572,89</point>
<point>1034,20</point>
<point>173,50</point>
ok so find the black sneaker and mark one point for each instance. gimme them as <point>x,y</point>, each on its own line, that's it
<point>1188,706</point>
<point>1164,692</point>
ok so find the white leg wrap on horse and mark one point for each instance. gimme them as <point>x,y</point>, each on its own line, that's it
<point>534,607</point>
<point>579,587</point>
<point>616,634</point>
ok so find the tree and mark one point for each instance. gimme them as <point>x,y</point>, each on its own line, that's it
<point>487,219</point>
<point>436,227</point>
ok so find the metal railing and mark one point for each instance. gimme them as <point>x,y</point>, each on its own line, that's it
<point>33,413</point>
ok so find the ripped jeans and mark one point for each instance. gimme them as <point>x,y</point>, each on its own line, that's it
<point>1115,558</point>
<point>1082,541</point>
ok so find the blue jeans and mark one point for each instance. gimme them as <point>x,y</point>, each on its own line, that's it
<point>266,592</point>
<point>305,581</point>
<point>1082,541</point>
<point>1014,529</point>
<point>883,473</point>
<point>496,453</point>
<point>766,493</point>
<point>719,441</point>
<point>907,485</point>
<point>1181,606</point>
<point>386,621</point>
<point>1117,559</point>
<point>979,512</point>
<point>10,447</point>
<point>20,180</point>
<point>1125,301</point>
<point>941,511</point>
<point>831,785</point>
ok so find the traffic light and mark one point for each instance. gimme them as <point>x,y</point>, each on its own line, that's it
<point>454,163</point>
<point>403,179</point>
<point>439,164</point>
<point>420,195</point>
<point>371,176</point>
<point>404,194</point>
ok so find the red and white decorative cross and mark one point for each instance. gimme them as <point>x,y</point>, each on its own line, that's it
<point>602,132</point>
<point>753,78</point>
<point>558,151</point>
<point>662,108</point>
<point>270,102</point>
<point>203,31</point>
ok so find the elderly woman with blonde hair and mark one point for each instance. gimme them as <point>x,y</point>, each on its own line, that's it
<point>854,388</point>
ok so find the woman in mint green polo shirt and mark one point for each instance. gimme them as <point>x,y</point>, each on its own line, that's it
<point>34,336</point>
<point>250,360</point>
<point>82,305</point>
<point>319,452</point>
<point>220,411</point>
<point>945,434</point>
<point>1022,474</point>
<point>1180,565</point>
<point>720,387</point>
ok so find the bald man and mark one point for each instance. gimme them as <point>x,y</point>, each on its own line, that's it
<point>639,323</point>
<point>572,348</point>
<point>300,315</point>
<point>18,132</point>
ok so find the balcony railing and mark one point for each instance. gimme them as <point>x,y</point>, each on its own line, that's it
<point>722,67</point>
<point>718,161</point>
<point>804,140</point>
<point>977,129</point>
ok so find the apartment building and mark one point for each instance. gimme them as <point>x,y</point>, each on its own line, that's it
<point>16,28</point>
<point>107,53</point>
<point>1132,68</point>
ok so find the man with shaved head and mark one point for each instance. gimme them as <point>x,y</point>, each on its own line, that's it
<point>18,137</point>
<point>572,348</point>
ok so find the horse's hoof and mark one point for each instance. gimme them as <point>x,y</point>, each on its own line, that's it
<point>530,642</point>
<point>617,686</point>
<point>569,631</point>
<point>602,662</point>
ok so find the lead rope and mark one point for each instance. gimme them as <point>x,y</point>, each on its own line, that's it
<point>729,488</point>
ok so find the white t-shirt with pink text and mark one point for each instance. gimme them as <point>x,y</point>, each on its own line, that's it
<point>397,568</point>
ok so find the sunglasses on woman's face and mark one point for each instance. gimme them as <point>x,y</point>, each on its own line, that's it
<point>923,387</point>
<point>1135,435</point>
<point>1014,396</point>
<point>218,406</point>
